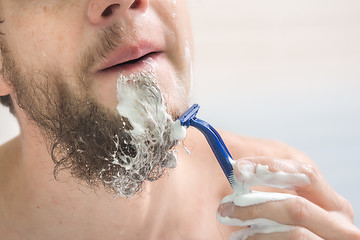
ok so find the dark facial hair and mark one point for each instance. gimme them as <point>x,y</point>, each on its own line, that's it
<point>82,136</point>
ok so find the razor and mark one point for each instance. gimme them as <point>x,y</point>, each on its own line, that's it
<point>214,139</point>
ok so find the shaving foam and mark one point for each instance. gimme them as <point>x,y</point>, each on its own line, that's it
<point>178,132</point>
<point>255,175</point>
<point>139,111</point>
<point>145,145</point>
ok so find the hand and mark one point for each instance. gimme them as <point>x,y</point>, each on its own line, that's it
<point>312,211</point>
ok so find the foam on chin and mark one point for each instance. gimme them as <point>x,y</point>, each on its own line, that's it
<point>136,109</point>
<point>145,147</point>
<point>242,196</point>
<point>142,104</point>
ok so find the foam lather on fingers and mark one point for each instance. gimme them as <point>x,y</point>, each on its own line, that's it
<point>257,174</point>
<point>253,198</point>
<point>275,227</point>
<point>251,174</point>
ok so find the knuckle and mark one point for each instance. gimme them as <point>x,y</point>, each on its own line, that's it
<point>347,209</point>
<point>312,172</point>
<point>299,210</point>
<point>350,232</point>
<point>354,235</point>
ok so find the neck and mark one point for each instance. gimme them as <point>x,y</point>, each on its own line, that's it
<point>39,199</point>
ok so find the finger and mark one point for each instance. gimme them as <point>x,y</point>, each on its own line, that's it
<point>290,174</point>
<point>295,212</point>
<point>287,176</point>
<point>261,230</point>
<point>295,233</point>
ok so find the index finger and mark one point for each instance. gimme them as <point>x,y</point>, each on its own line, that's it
<point>303,178</point>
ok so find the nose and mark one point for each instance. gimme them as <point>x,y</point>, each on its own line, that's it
<point>100,11</point>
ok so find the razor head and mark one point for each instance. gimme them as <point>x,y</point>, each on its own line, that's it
<point>189,114</point>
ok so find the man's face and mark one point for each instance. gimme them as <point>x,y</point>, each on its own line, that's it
<point>63,61</point>
<point>84,37</point>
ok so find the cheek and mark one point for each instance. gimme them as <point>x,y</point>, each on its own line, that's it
<point>43,40</point>
<point>175,16</point>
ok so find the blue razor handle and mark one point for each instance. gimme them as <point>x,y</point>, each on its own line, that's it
<point>214,139</point>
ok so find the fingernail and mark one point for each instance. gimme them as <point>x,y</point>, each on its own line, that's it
<point>245,163</point>
<point>226,209</point>
<point>245,169</point>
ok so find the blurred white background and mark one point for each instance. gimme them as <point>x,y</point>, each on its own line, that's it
<point>285,70</point>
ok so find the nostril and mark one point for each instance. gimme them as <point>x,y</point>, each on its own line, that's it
<point>109,10</point>
<point>135,4</point>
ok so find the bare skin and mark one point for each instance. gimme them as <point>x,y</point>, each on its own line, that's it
<point>35,206</point>
<point>180,205</point>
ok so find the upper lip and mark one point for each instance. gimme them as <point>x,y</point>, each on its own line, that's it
<point>128,52</point>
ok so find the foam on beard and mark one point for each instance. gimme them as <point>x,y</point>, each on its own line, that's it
<point>153,133</point>
<point>141,102</point>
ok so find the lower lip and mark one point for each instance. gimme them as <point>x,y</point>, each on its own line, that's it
<point>145,64</point>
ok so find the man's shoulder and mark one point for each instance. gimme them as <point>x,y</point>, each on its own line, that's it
<point>9,157</point>
<point>245,146</point>
<point>9,153</point>
<point>239,146</point>
<point>9,149</point>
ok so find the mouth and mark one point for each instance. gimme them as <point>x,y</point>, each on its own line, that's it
<point>132,63</point>
<point>130,57</point>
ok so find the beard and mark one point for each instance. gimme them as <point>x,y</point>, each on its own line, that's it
<point>117,149</point>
